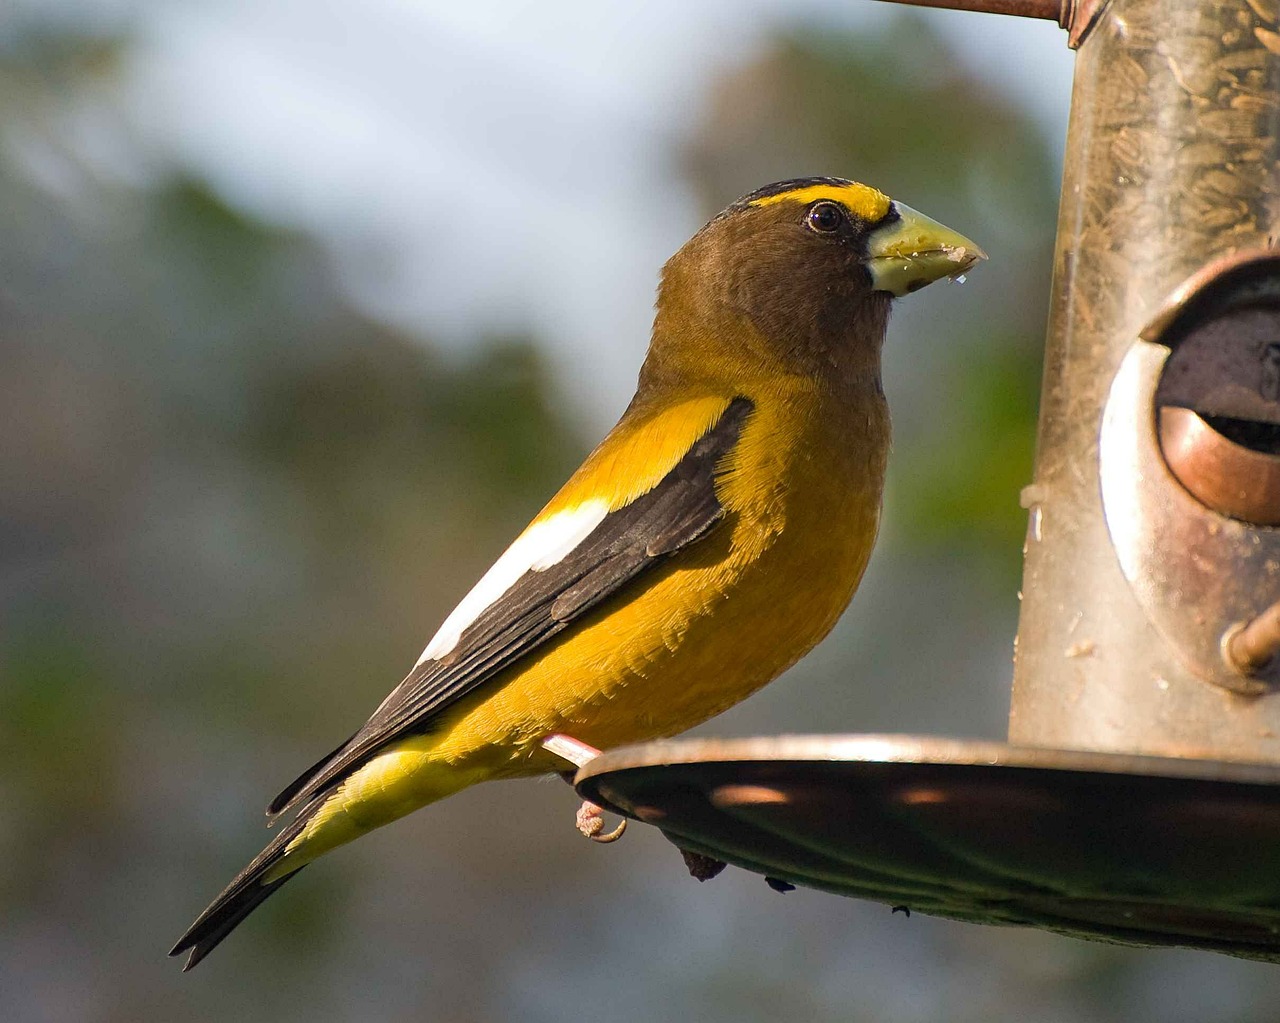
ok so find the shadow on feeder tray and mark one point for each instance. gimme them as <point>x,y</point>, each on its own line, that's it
<point>1128,849</point>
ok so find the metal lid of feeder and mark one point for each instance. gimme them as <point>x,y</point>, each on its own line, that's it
<point>1130,849</point>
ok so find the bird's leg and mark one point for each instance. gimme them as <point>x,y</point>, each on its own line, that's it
<point>566,747</point>
<point>589,818</point>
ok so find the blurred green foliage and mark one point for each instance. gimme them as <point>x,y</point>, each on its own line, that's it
<point>961,494</point>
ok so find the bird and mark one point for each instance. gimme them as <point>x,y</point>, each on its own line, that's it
<point>710,540</point>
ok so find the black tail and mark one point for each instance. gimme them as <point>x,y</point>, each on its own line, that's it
<point>221,919</point>
<point>243,895</point>
<point>283,801</point>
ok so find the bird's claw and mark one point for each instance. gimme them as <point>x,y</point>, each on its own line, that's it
<point>589,818</point>
<point>590,821</point>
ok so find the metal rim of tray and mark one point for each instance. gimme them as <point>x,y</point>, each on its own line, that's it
<point>1130,849</point>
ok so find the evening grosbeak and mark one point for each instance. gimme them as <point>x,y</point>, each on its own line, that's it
<point>713,537</point>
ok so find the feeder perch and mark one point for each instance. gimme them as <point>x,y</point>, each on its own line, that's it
<point>1138,797</point>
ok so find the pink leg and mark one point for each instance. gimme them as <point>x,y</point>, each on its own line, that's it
<point>566,747</point>
<point>590,818</point>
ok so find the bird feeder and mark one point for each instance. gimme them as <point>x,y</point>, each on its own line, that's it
<point>1138,797</point>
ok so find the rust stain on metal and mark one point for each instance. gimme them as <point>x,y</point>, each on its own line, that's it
<point>1076,16</point>
<point>1051,10</point>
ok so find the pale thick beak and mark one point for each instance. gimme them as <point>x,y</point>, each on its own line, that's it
<point>914,251</point>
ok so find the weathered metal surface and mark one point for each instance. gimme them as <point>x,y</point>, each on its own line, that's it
<point>1194,571</point>
<point>1171,162</point>
<point>1128,849</point>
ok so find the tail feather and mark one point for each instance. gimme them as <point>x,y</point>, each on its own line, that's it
<point>223,918</point>
<point>288,796</point>
<point>243,895</point>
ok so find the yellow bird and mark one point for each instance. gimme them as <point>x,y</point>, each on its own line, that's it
<point>715,535</point>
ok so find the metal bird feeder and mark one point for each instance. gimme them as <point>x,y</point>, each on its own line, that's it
<point>1138,798</point>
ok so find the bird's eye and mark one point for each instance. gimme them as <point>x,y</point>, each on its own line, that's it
<point>826,217</point>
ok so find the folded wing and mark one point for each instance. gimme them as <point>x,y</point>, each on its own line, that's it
<point>619,547</point>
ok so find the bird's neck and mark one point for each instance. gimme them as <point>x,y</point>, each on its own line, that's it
<point>705,343</point>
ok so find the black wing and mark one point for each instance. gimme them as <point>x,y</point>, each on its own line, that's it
<point>630,541</point>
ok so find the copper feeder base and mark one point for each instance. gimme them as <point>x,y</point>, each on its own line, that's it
<point>1130,849</point>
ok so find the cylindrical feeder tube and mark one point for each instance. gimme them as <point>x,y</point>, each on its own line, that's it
<point>1171,161</point>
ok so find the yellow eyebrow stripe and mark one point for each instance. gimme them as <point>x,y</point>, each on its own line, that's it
<point>861,200</point>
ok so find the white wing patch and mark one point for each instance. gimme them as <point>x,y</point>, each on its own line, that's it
<point>542,545</point>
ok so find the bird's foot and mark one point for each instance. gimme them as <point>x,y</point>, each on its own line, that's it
<point>590,821</point>
<point>589,818</point>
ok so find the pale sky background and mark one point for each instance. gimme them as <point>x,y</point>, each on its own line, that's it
<point>522,139</point>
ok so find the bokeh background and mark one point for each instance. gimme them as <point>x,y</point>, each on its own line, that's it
<point>304,310</point>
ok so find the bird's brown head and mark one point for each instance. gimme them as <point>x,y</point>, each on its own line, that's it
<point>801,272</point>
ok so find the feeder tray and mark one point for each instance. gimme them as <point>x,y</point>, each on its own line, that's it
<point>1135,850</point>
